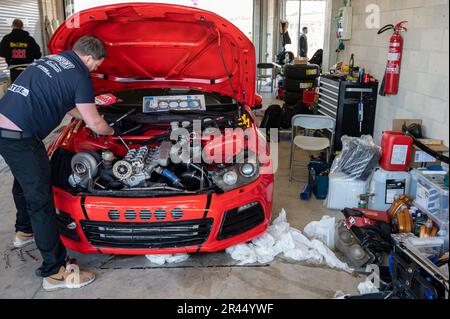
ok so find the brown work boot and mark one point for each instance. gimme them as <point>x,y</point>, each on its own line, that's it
<point>22,239</point>
<point>70,277</point>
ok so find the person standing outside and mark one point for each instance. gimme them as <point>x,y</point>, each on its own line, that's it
<point>31,109</point>
<point>285,39</point>
<point>18,49</point>
<point>303,43</point>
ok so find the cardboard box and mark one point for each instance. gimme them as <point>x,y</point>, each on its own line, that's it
<point>301,61</point>
<point>420,158</point>
<point>397,124</point>
<point>3,86</point>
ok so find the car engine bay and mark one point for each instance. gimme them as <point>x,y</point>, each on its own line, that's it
<point>158,154</point>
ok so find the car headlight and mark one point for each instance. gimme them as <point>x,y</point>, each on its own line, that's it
<point>248,169</point>
<point>230,178</point>
<point>236,176</point>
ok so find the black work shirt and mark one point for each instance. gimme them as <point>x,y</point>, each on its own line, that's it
<point>44,93</point>
<point>19,47</point>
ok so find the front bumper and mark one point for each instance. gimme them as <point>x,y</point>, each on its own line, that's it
<point>168,225</point>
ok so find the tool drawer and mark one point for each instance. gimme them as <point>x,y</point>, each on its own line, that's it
<point>352,105</point>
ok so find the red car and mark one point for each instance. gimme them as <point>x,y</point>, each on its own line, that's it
<point>169,69</point>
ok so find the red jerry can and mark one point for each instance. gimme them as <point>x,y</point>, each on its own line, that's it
<point>396,148</point>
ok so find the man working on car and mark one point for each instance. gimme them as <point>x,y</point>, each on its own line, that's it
<point>19,48</point>
<point>33,106</point>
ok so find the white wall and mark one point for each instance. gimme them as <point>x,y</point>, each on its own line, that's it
<point>424,84</point>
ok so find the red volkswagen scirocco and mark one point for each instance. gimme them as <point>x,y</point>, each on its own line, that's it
<point>169,69</point>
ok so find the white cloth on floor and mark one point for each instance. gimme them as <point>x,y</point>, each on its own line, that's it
<point>282,238</point>
<point>323,230</point>
<point>167,259</point>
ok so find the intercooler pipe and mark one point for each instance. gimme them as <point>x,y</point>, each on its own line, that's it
<point>170,176</point>
<point>202,171</point>
<point>192,178</point>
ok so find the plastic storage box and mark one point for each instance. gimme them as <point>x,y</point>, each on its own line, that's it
<point>344,192</point>
<point>432,196</point>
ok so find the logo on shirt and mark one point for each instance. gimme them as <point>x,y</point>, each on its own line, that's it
<point>19,89</point>
<point>19,45</point>
<point>45,70</point>
<point>53,65</point>
<point>63,62</point>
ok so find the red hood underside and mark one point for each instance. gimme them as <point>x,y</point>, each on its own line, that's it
<point>160,45</point>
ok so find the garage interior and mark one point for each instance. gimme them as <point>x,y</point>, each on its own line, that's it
<point>322,188</point>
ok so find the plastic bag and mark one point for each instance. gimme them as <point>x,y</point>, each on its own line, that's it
<point>281,238</point>
<point>359,157</point>
<point>323,230</point>
<point>367,287</point>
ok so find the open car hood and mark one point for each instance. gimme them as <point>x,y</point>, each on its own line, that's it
<point>160,45</point>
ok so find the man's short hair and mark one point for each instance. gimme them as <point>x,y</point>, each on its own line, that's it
<point>90,45</point>
<point>305,28</point>
<point>17,24</point>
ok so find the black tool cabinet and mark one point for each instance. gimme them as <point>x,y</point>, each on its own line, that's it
<point>339,99</point>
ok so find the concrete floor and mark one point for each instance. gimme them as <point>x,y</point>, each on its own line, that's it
<point>202,276</point>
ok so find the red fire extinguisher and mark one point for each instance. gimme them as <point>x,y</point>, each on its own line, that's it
<point>392,75</point>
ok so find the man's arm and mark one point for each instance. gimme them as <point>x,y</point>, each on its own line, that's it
<point>3,48</point>
<point>76,114</point>
<point>93,119</point>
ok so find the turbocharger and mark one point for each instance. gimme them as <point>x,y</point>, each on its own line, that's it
<point>85,168</point>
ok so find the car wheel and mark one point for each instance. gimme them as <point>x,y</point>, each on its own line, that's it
<point>301,71</point>
<point>293,85</point>
<point>292,98</point>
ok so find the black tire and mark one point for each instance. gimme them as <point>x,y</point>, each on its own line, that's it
<point>293,85</point>
<point>289,111</point>
<point>292,98</point>
<point>301,71</point>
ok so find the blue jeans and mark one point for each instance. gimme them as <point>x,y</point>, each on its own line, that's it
<point>32,192</point>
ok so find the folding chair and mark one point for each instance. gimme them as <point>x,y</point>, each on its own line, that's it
<point>310,143</point>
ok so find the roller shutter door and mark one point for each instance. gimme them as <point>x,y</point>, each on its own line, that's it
<point>28,11</point>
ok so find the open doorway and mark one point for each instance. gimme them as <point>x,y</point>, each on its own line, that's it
<point>310,14</point>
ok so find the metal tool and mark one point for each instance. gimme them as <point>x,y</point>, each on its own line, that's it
<point>122,117</point>
<point>361,113</point>
<point>132,130</point>
<point>123,142</point>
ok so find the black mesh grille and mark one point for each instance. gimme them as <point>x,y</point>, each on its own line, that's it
<point>147,235</point>
<point>240,220</point>
<point>160,214</point>
<point>114,215</point>
<point>62,220</point>
<point>177,213</point>
<point>130,215</point>
<point>145,214</point>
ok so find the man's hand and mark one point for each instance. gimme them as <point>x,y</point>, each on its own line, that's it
<point>94,121</point>
<point>117,131</point>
